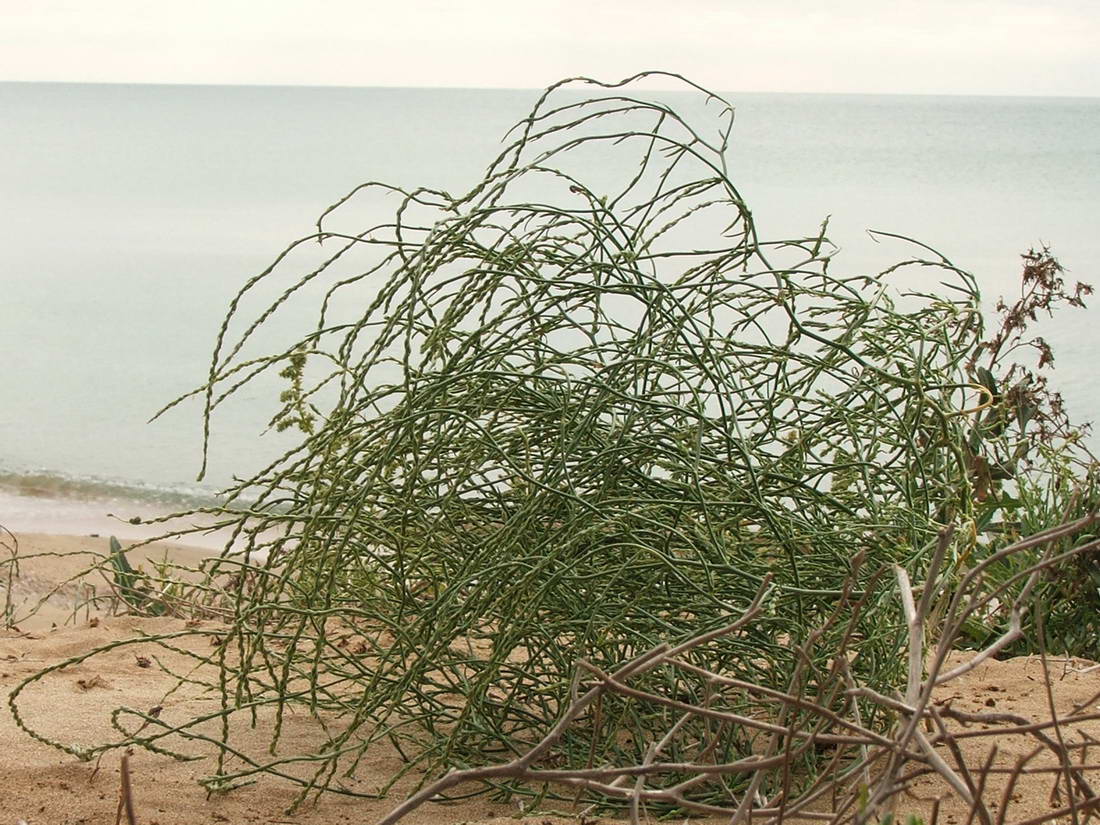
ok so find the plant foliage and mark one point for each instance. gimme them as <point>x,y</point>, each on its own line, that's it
<point>583,409</point>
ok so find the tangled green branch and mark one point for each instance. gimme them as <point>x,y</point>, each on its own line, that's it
<point>581,410</point>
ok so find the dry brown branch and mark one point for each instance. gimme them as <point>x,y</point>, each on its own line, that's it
<point>125,794</point>
<point>872,769</point>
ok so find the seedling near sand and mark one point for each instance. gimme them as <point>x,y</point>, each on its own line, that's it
<point>585,411</point>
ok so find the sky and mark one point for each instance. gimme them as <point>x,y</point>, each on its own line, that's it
<point>998,47</point>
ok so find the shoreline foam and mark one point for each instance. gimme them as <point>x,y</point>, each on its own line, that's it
<point>73,510</point>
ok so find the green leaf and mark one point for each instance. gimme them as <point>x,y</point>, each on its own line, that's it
<point>126,578</point>
<point>986,379</point>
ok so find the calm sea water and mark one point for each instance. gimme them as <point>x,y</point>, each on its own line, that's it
<point>131,214</point>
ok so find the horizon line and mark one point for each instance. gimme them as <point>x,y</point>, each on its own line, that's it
<point>535,89</point>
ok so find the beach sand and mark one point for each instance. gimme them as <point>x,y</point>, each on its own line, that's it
<point>44,785</point>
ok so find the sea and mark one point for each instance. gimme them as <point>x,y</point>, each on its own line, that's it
<point>132,214</point>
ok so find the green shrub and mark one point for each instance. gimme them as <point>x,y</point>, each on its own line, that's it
<point>544,421</point>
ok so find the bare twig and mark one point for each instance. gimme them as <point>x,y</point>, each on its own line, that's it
<point>880,767</point>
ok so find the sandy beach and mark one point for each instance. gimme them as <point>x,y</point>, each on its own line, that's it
<point>72,705</point>
<point>560,414</point>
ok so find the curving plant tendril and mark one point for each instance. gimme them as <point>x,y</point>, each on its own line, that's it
<point>579,411</point>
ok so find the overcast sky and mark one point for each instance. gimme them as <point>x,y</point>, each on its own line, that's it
<point>898,46</point>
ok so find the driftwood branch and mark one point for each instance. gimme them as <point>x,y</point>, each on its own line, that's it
<point>871,767</point>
